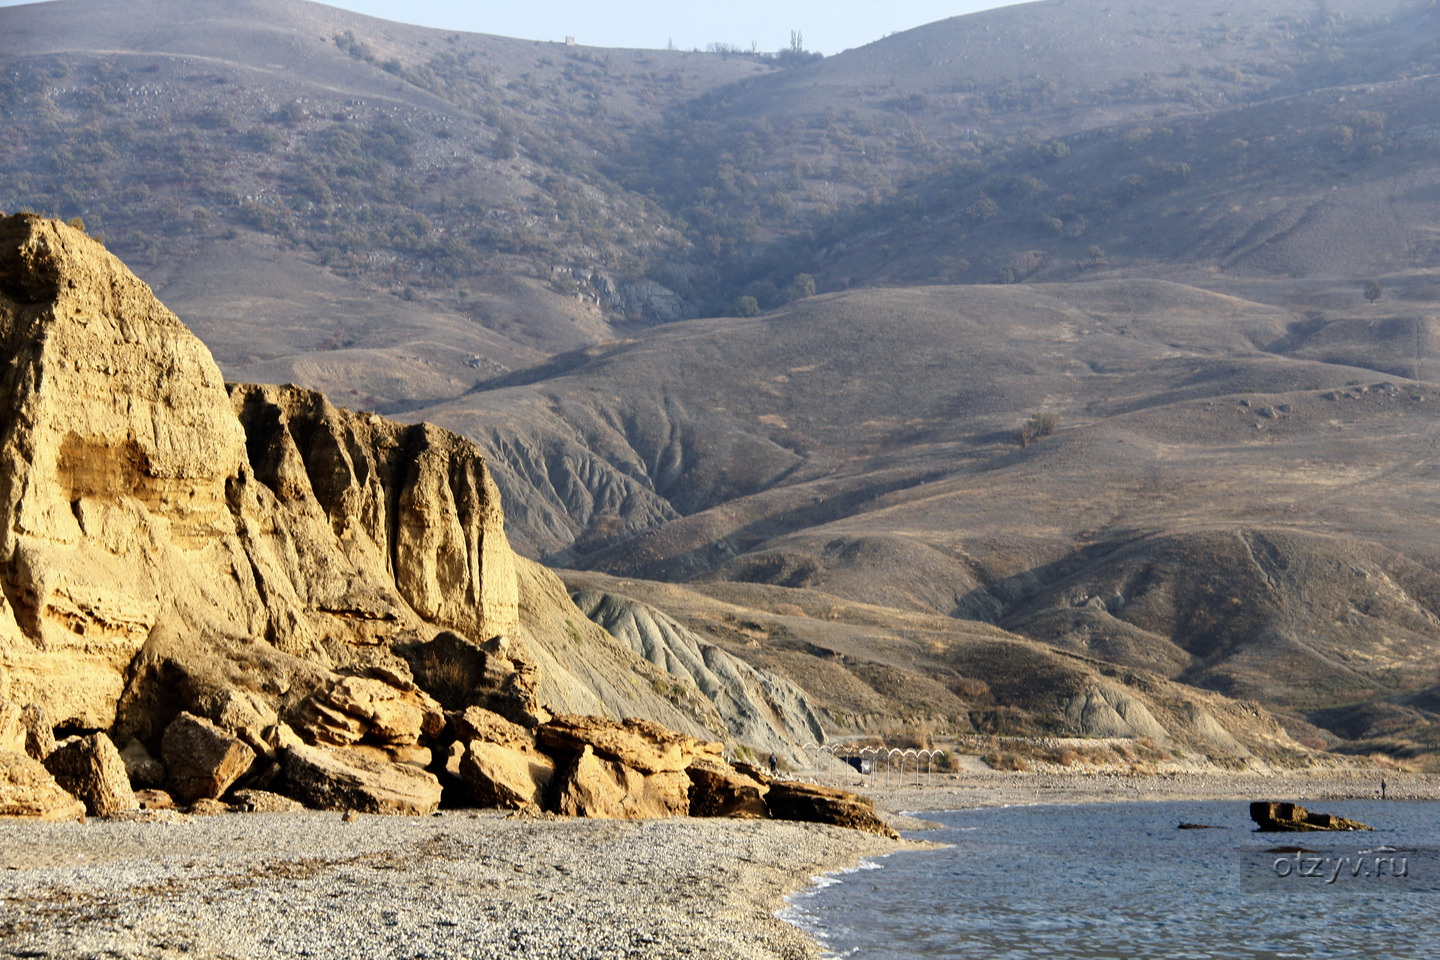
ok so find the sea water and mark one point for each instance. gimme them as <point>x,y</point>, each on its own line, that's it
<point>1122,881</point>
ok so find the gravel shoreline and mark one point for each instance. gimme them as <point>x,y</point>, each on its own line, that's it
<point>964,791</point>
<point>458,885</point>
<point>483,885</point>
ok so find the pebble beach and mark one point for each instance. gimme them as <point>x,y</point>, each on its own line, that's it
<point>482,884</point>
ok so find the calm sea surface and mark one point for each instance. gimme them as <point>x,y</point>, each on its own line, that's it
<point>1121,881</point>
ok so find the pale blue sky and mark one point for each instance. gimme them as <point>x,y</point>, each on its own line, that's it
<point>828,26</point>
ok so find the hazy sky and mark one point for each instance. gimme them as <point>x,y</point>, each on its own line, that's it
<point>828,26</point>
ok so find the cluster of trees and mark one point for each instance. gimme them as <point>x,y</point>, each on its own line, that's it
<point>764,295</point>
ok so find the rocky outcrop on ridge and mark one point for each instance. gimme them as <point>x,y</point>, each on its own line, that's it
<point>271,594</point>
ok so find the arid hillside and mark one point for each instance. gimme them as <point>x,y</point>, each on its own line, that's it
<point>1077,349</point>
<point>1233,496</point>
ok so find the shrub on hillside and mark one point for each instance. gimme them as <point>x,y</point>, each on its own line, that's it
<point>1039,426</point>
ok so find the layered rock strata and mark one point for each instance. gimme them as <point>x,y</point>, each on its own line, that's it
<point>273,595</point>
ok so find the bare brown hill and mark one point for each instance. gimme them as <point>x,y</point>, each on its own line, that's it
<point>1217,507</point>
<point>1155,224</point>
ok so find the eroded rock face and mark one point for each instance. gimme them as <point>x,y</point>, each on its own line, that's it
<point>348,710</point>
<point>90,769</point>
<point>198,567</point>
<point>134,485</point>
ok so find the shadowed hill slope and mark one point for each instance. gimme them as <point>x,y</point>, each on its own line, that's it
<point>1218,506</point>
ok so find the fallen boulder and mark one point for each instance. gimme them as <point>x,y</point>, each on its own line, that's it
<point>499,776</point>
<point>816,804</point>
<point>28,790</point>
<point>351,709</point>
<point>335,778</point>
<point>719,790</point>
<point>90,768</point>
<point>1273,817</point>
<point>144,770</point>
<point>477,723</point>
<point>202,760</point>
<point>606,789</point>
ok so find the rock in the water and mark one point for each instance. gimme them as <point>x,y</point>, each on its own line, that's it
<point>341,779</point>
<point>499,776</point>
<point>719,790</point>
<point>201,760</point>
<point>638,744</point>
<point>90,768</point>
<point>145,771</point>
<point>28,790</point>
<point>816,804</point>
<point>1293,818</point>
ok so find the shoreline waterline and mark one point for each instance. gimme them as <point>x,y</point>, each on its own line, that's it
<point>289,885</point>
<point>833,924</point>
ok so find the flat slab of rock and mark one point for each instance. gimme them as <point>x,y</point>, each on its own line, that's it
<point>638,744</point>
<point>1292,818</point>
<point>28,790</point>
<point>202,761</point>
<point>90,768</point>
<point>816,804</point>
<point>341,779</point>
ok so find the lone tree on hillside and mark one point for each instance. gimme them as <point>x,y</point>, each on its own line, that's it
<point>1373,290</point>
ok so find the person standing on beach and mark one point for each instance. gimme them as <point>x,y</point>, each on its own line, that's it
<point>1382,788</point>
<point>774,765</point>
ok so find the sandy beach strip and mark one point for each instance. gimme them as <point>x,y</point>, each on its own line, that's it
<point>458,885</point>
